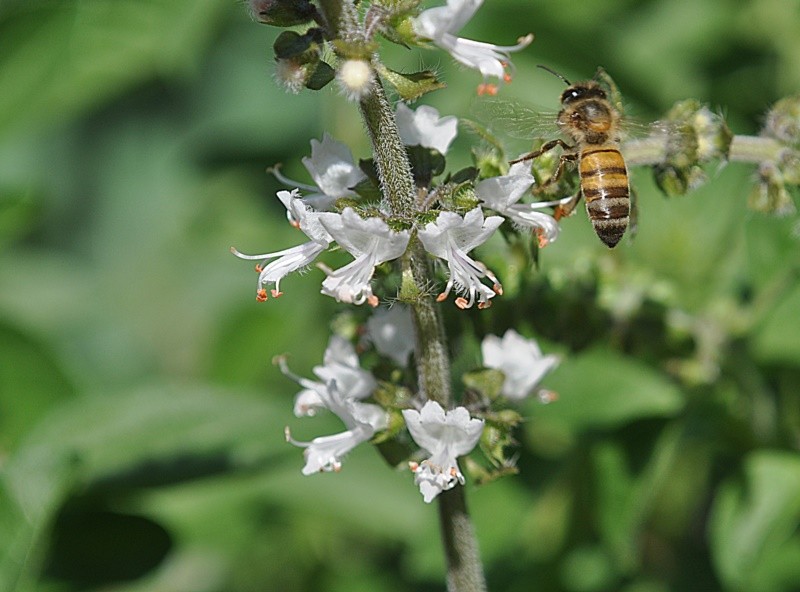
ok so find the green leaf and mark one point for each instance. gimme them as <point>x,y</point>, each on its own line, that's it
<point>321,76</point>
<point>410,87</point>
<point>426,163</point>
<point>163,435</point>
<point>778,339</point>
<point>58,57</point>
<point>30,383</point>
<point>754,525</point>
<point>290,44</point>
<point>602,389</point>
<point>18,212</point>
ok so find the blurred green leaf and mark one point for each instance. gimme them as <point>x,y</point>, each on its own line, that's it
<point>18,211</point>
<point>59,57</point>
<point>31,381</point>
<point>153,437</point>
<point>754,525</point>
<point>602,389</point>
<point>778,338</point>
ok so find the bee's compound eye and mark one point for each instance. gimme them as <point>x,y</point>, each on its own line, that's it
<point>572,94</point>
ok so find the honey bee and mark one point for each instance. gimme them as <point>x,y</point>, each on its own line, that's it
<point>594,123</point>
<point>590,119</point>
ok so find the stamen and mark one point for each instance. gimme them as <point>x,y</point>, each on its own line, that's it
<point>462,303</point>
<point>261,295</point>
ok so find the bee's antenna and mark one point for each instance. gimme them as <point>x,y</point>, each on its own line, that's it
<point>554,73</point>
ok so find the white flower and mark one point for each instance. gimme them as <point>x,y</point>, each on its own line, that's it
<point>441,24</point>
<point>502,194</point>
<point>451,237</point>
<point>445,436</point>
<point>521,361</point>
<point>371,242</point>
<point>355,78</point>
<point>362,421</point>
<point>340,365</point>
<point>334,171</point>
<point>424,127</point>
<point>292,259</point>
<point>392,333</point>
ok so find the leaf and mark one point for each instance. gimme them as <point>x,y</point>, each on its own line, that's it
<point>777,338</point>
<point>754,525</point>
<point>602,389</point>
<point>30,383</point>
<point>58,57</point>
<point>411,86</point>
<point>147,438</point>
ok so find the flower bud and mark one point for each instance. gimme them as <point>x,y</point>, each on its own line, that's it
<point>783,121</point>
<point>282,13</point>
<point>355,78</point>
<point>695,135</point>
<point>770,194</point>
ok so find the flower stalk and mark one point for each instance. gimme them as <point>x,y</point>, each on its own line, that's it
<point>464,569</point>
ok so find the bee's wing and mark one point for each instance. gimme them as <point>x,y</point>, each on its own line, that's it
<point>514,118</point>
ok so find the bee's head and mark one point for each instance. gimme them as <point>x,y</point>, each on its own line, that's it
<point>583,90</point>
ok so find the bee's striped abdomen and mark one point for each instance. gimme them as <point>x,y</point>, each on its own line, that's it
<point>604,182</point>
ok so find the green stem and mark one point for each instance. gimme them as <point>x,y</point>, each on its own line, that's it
<point>754,149</point>
<point>653,150</point>
<point>391,160</point>
<point>464,569</point>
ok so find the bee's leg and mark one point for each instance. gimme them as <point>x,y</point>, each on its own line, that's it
<point>545,148</point>
<point>565,158</point>
<point>568,207</point>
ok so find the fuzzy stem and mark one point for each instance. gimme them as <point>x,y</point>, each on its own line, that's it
<point>754,149</point>
<point>391,160</point>
<point>653,150</point>
<point>464,569</point>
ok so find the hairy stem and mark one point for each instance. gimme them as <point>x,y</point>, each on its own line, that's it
<point>653,150</point>
<point>391,160</point>
<point>464,569</point>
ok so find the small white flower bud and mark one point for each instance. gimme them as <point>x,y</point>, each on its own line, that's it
<point>355,78</point>
<point>291,74</point>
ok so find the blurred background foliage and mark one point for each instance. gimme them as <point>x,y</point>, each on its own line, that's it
<point>141,441</point>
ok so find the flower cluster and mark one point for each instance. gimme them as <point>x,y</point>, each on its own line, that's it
<point>349,205</point>
<point>442,435</point>
<point>340,390</point>
<point>303,59</point>
<point>441,25</point>
<point>374,240</point>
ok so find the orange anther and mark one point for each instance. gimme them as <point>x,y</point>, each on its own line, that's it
<point>261,295</point>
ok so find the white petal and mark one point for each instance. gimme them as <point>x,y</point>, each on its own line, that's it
<point>424,127</point>
<point>521,361</point>
<point>392,332</point>
<point>332,167</point>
